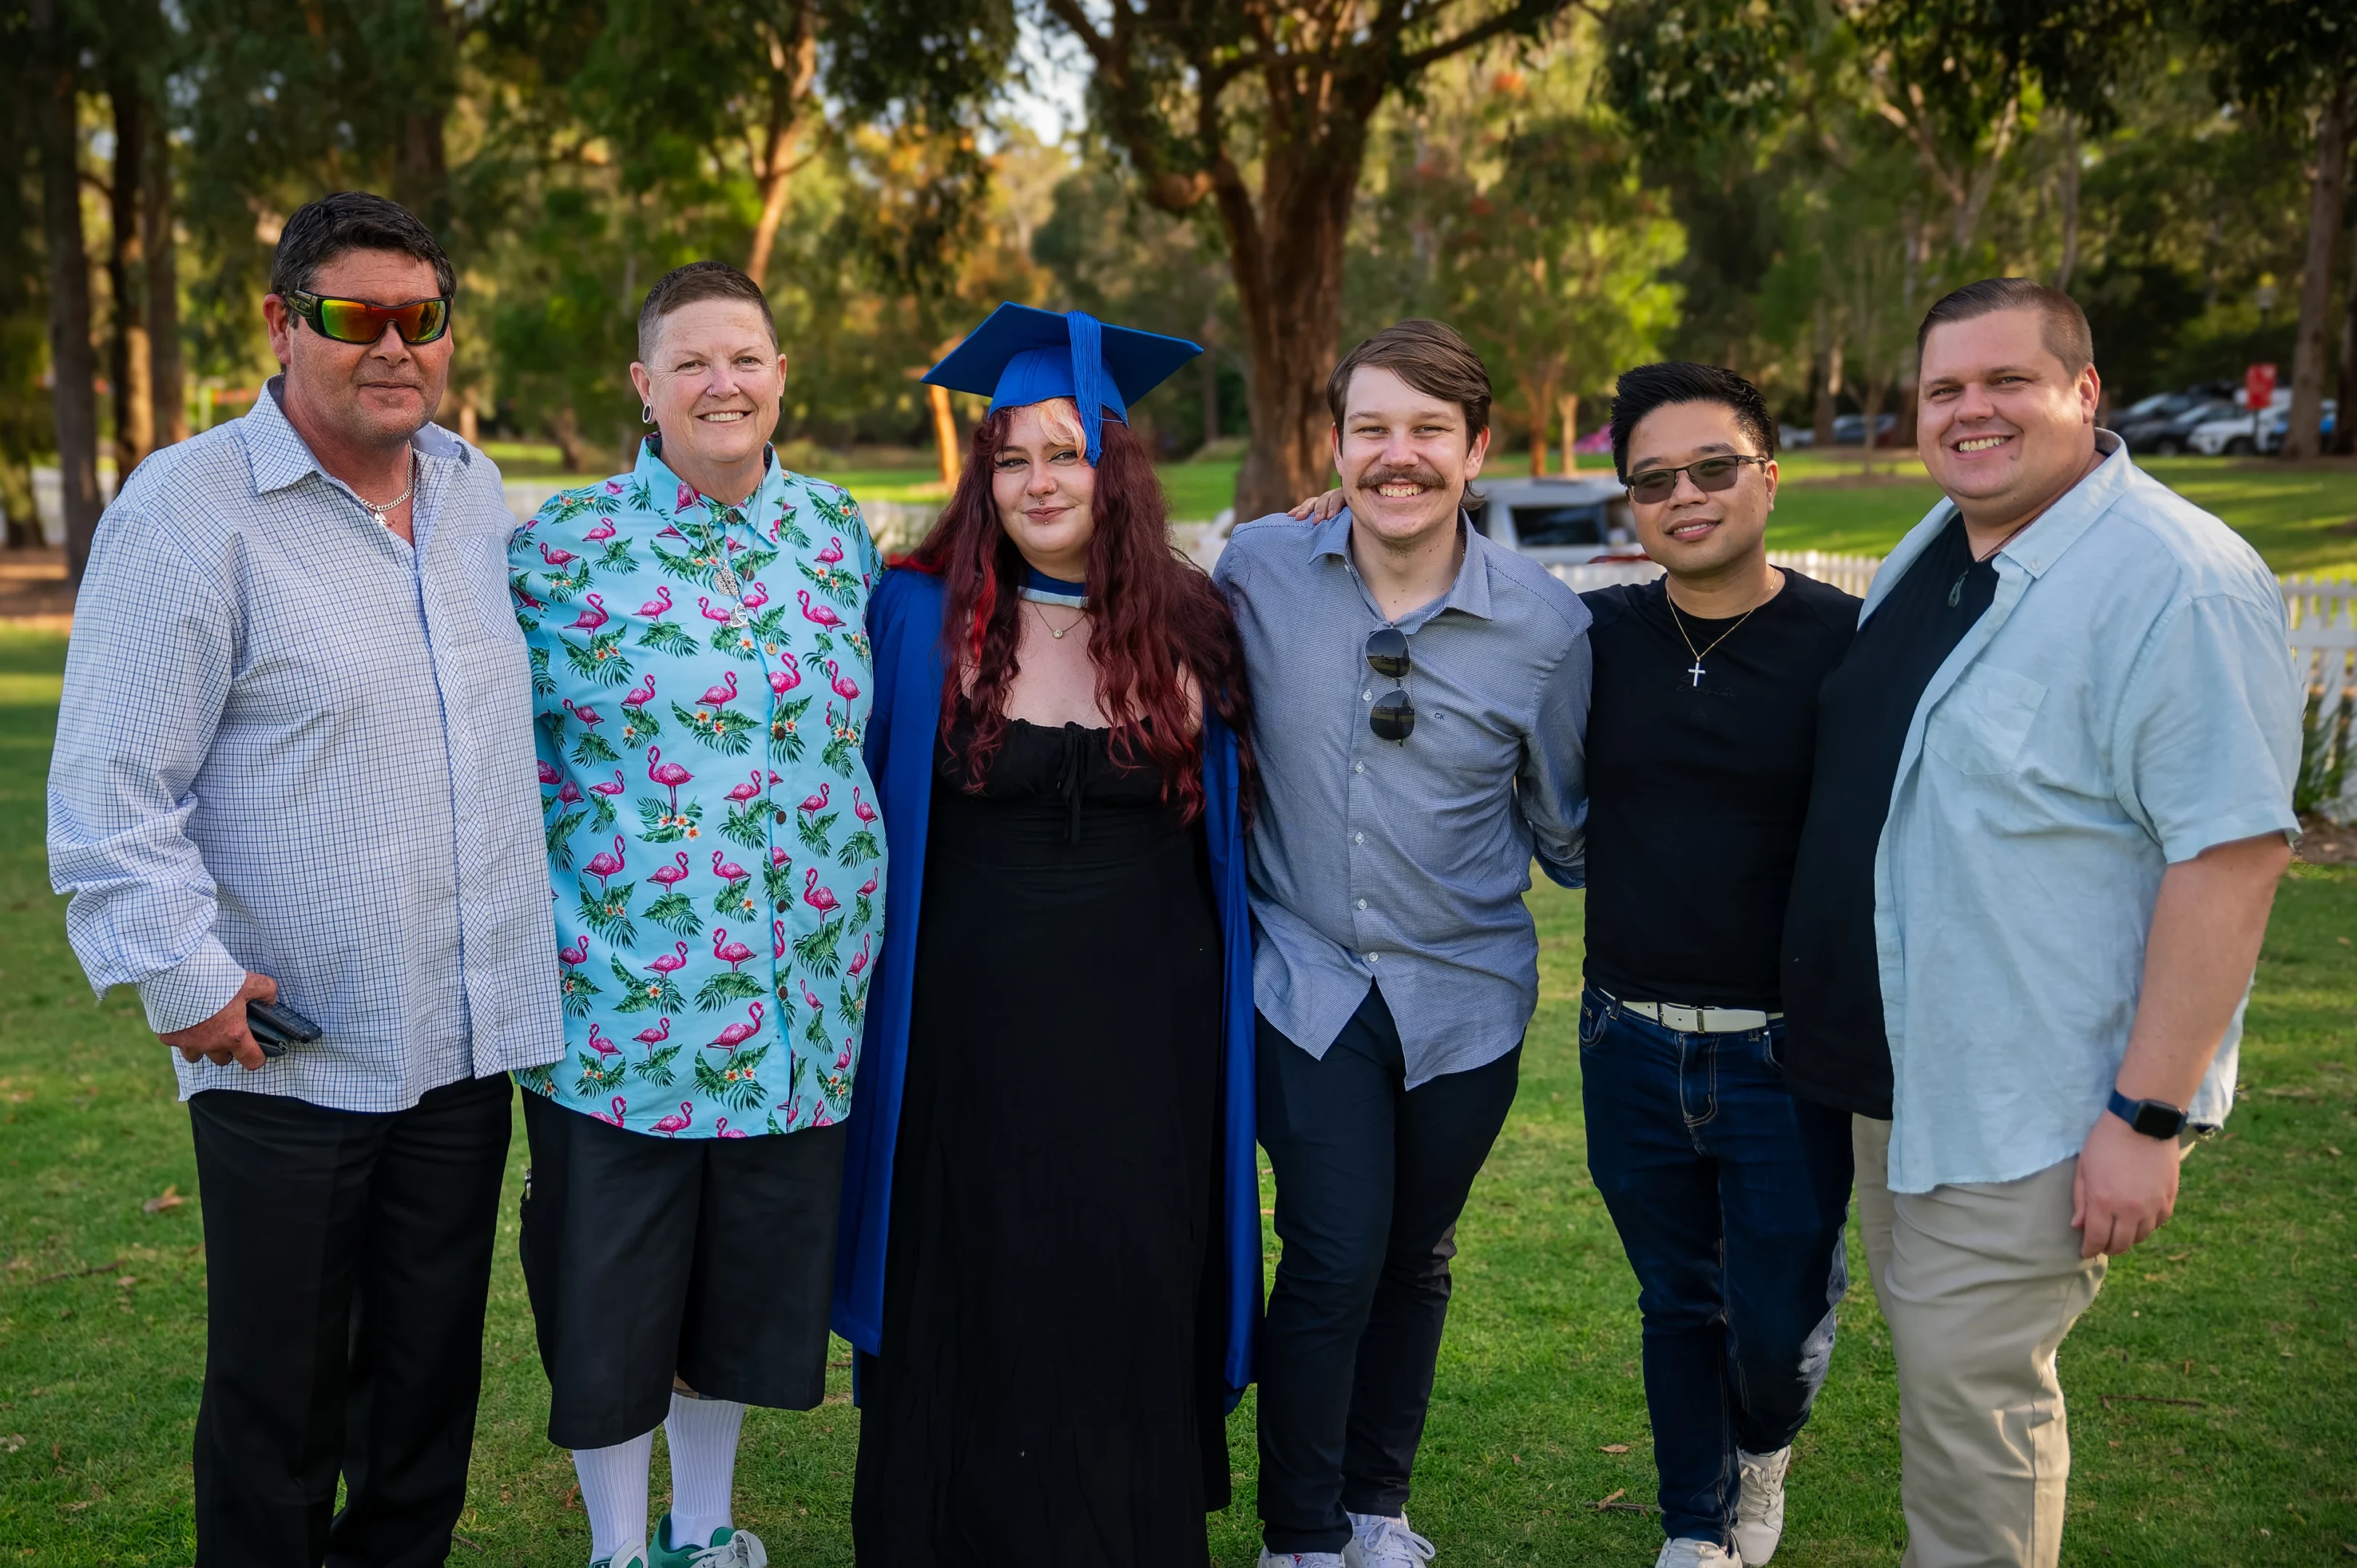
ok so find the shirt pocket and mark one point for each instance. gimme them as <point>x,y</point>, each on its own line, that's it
<point>1982,722</point>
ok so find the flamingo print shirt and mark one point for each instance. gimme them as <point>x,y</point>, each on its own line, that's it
<point>701,676</point>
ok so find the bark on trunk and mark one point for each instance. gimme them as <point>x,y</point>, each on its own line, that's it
<point>580,453</point>
<point>945,441</point>
<point>1829,385</point>
<point>2344,421</point>
<point>1210,391</point>
<point>73,366</point>
<point>2068,198</point>
<point>24,522</point>
<point>130,367</point>
<point>1567,411</point>
<point>1873,412</point>
<point>167,386</point>
<point>2327,193</point>
<point>793,64</point>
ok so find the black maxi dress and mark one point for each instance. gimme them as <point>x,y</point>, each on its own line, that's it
<point>1049,1392</point>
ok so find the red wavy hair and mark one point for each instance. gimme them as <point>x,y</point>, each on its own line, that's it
<point>1156,618</point>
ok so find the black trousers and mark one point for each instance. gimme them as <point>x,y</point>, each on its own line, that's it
<point>1371,1177</point>
<point>348,1257</point>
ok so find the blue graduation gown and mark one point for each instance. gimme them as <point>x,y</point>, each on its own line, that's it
<point>904,621</point>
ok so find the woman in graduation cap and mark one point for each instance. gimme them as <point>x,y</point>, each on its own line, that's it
<point>1049,1254</point>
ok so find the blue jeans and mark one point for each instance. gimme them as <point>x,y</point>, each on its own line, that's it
<point>1731,1196</point>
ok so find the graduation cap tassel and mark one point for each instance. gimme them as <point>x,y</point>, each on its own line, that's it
<point>1088,377</point>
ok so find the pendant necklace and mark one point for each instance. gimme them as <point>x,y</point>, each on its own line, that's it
<point>724,578</point>
<point>1696,670</point>
<point>380,511</point>
<point>1058,636</point>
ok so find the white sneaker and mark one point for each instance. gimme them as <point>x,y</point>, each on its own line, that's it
<point>1688,1552</point>
<point>1387,1543</point>
<point>1347,1558</point>
<point>1759,1510</point>
<point>627,1557</point>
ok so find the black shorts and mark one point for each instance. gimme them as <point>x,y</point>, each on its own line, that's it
<point>712,1259</point>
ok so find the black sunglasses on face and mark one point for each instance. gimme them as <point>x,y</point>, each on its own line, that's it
<point>1392,717</point>
<point>1655,485</point>
<point>358,321</point>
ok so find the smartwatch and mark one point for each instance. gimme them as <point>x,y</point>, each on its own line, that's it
<point>2153,1118</point>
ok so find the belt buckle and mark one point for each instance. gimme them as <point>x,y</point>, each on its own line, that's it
<point>1684,1020</point>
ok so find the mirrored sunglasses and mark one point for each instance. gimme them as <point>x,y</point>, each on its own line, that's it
<point>1655,485</point>
<point>358,321</point>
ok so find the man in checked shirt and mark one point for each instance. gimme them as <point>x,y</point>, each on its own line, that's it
<point>294,764</point>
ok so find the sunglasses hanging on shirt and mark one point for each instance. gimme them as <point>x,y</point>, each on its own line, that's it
<point>1393,717</point>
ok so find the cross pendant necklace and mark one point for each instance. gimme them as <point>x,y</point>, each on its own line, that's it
<point>1697,672</point>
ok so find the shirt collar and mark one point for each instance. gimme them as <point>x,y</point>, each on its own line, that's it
<point>1469,592</point>
<point>2041,545</point>
<point>673,495</point>
<point>281,459</point>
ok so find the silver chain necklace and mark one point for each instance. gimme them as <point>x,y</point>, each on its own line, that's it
<point>381,509</point>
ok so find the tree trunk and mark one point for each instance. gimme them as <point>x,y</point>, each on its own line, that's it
<point>24,520</point>
<point>1829,356</point>
<point>2327,193</point>
<point>130,367</point>
<point>1567,411</point>
<point>73,368</point>
<point>2068,198</point>
<point>580,454</point>
<point>1210,391</point>
<point>793,64</point>
<point>1286,254</point>
<point>1537,402</point>
<point>167,388</point>
<point>1873,412</point>
<point>2344,421</point>
<point>945,441</point>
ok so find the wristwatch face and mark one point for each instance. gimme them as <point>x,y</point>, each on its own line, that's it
<point>2155,1120</point>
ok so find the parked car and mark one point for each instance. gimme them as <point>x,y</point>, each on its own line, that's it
<point>1561,520</point>
<point>1789,436</point>
<point>1849,430</point>
<point>2172,435</point>
<point>2160,424</point>
<point>2243,435</point>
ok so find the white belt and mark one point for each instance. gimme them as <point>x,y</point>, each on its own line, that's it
<point>1700,1020</point>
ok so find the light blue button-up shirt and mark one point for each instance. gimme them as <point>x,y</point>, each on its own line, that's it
<point>293,744</point>
<point>1407,863</point>
<point>2128,702</point>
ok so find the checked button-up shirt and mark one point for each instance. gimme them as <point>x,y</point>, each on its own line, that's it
<point>293,744</point>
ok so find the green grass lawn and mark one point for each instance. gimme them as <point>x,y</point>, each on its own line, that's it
<point>2213,1394</point>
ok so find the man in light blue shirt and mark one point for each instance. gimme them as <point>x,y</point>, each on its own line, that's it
<point>2052,801</point>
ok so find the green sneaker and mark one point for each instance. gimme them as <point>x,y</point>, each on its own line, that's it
<point>730,1549</point>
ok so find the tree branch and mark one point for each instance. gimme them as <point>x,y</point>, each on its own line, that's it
<point>1519,15</point>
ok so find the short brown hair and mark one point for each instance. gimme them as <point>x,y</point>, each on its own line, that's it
<point>2062,326</point>
<point>699,280</point>
<point>1428,355</point>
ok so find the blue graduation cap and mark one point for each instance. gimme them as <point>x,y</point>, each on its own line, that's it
<point>1021,356</point>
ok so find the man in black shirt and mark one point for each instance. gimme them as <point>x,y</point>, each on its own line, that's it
<point>1730,1196</point>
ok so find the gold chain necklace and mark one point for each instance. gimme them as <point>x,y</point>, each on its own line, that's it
<point>1058,636</point>
<point>1696,670</point>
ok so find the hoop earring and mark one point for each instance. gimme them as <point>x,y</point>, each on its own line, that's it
<point>646,413</point>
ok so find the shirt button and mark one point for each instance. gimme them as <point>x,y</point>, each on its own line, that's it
<point>1358,838</point>
<point>1358,767</point>
<point>1362,903</point>
<point>1373,956</point>
<point>1368,695</point>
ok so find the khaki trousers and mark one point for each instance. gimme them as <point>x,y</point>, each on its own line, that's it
<point>1980,1284</point>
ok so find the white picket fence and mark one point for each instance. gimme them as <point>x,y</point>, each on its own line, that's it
<point>1850,574</point>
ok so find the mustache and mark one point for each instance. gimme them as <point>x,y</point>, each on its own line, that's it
<point>1410,474</point>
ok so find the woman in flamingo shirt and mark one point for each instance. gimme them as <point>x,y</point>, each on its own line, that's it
<point>716,858</point>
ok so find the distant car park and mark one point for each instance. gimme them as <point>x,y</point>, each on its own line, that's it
<point>2162,425</point>
<point>2243,435</point>
<point>1566,520</point>
<point>1849,430</point>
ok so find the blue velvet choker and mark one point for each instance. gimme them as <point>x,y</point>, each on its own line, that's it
<point>1041,588</point>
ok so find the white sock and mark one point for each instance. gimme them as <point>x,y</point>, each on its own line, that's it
<point>702,1438</point>
<point>614,1491</point>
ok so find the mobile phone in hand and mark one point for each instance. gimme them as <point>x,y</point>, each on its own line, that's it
<point>275,1028</point>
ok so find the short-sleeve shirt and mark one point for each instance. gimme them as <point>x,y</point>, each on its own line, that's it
<point>1698,784</point>
<point>1833,978</point>
<point>702,679</point>
<point>2128,702</point>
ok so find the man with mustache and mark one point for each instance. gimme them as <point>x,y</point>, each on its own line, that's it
<point>1419,696</point>
<point>294,764</point>
<point>2051,801</point>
